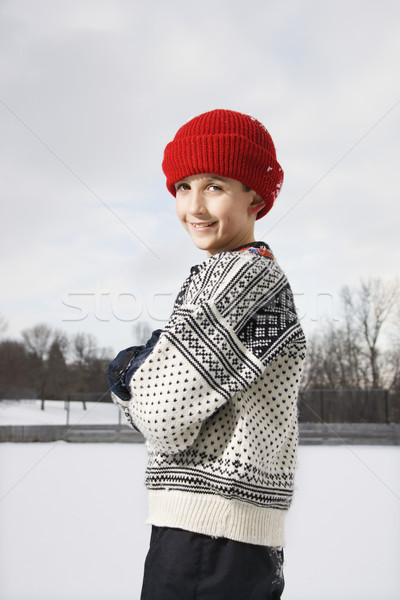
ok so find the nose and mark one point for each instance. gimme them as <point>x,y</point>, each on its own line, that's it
<point>196,204</point>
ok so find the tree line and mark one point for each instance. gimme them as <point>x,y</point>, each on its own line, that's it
<point>49,364</point>
<point>362,349</point>
<point>359,351</point>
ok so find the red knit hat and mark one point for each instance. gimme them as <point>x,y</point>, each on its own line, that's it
<point>226,143</point>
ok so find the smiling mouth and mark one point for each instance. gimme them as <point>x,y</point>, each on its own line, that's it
<point>202,225</point>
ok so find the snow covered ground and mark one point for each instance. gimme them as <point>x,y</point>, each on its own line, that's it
<point>27,412</point>
<point>72,522</point>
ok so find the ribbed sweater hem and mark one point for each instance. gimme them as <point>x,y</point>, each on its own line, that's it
<point>217,517</point>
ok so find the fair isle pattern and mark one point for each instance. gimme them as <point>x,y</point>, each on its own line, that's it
<point>241,448</point>
<point>217,398</point>
<point>263,333</point>
<point>192,481</point>
<point>257,301</point>
<point>202,338</point>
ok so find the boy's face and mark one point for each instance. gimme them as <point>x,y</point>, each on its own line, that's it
<point>217,212</point>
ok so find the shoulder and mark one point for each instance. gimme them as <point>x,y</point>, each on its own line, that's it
<point>233,274</point>
<point>247,267</point>
<point>244,259</point>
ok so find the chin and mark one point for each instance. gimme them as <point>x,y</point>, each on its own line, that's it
<point>201,245</point>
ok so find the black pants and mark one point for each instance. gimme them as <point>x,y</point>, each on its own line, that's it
<point>181,565</point>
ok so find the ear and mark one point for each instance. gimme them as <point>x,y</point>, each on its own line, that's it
<point>256,205</point>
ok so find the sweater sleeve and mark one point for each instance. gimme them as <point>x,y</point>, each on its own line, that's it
<point>121,370</point>
<point>124,365</point>
<point>203,357</point>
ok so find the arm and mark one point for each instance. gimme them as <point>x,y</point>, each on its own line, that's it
<point>200,360</point>
<point>122,368</point>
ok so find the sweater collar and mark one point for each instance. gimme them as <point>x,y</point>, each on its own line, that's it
<point>251,245</point>
<point>256,247</point>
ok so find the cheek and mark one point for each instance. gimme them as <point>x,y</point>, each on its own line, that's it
<point>179,210</point>
<point>231,218</point>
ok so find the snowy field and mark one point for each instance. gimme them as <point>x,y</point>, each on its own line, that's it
<point>72,522</point>
<point>27,412</point>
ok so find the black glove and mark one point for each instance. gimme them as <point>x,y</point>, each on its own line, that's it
<point>124,365</point>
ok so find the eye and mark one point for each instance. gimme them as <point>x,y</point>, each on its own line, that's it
<point>213,187</point>
<point>179,187</point>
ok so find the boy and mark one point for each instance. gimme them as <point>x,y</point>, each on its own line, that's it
<point>215,392</point>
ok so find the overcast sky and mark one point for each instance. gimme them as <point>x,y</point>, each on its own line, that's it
<point>92,91</point>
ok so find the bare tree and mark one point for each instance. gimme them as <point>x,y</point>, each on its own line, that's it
<point>350,354</point>
<point>51,363</point>
<point>392,355</point>
<point>15,376</point>
<point>3,325</point>
<point>57,369</point>
<point>88,371</point>
<point>370,309</point>
<point>330,362</point>
<point>62,341</point>
<point>84,348</point>
<point>141,333</point>
<point>38,340</point>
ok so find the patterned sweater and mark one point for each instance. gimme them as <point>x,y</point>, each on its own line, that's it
<point>215,396</point>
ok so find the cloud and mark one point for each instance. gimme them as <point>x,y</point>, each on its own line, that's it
<point>106,86</point>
